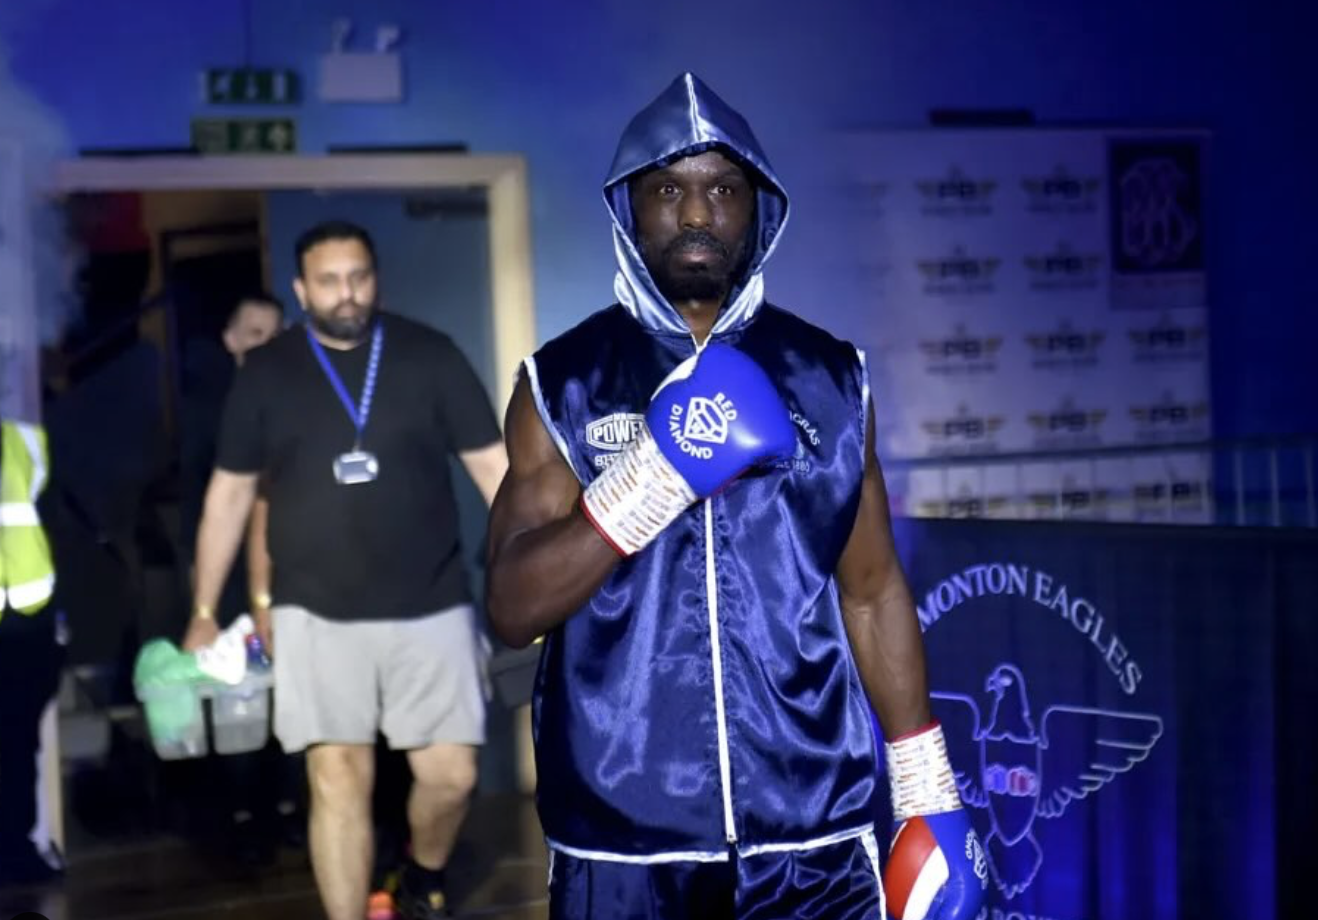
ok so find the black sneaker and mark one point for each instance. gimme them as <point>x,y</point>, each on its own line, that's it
<point>421,905</point>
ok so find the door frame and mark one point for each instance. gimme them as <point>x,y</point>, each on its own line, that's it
<point>502,176</point>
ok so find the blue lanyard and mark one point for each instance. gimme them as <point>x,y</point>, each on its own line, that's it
<point>357,415</point>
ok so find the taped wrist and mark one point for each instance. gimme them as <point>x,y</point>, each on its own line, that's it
<point>636,497</point>
<point>921,775</point>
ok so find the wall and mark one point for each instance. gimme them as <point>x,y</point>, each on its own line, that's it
<point>558,82</point>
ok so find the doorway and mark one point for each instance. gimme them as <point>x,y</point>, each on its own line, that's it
<point>221,225</point>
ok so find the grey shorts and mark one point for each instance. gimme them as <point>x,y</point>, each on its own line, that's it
<point>419,681</point>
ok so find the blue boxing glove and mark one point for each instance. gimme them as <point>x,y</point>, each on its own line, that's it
<point>713,417</point>
<point>936,867</point>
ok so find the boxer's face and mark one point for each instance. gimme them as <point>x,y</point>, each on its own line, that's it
<point>693,218</point>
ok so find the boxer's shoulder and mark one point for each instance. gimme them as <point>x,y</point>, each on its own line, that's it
<point>608,323</point>
<point>801,333</point>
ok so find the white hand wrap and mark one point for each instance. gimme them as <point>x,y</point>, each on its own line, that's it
<point>921,775</point>
<point>637,496</point>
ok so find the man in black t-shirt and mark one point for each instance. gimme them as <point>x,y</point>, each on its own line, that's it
<point>348,421</point>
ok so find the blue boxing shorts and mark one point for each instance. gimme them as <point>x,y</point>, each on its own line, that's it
<point>834,881</point>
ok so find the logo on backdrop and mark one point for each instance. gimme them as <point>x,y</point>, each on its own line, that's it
<point>1064,348</point>
<point>963,432</point>
<point>961,353</point>
<point>1062,192</point>
<point>1072,499</point>
<point>958,274</point>
<point>1063,269</point>
<point>965,503</point>
<point>1067,425</point>
<point>1018,761</point>
<point>1178,496</point>
<point>1157,223</point>
<point>1079,501</point>
<point>956,195</point>
<point>1170,419</point>
<point>1166,342</point>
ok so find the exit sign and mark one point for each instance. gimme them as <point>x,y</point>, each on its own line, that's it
<point>254,85</point>
<point>244,135</point>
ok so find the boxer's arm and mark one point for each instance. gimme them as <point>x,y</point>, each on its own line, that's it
<point>878,611</point>
<point>546,558</point>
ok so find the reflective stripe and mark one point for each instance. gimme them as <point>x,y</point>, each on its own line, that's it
<point>801,846</point>
<point>19,514</point>
<point>35,450</point>
<point>29,594</point>
<point>716,653</point>
<point>872,851</point>
<point>26,577</point>
<point>864,833</point>
<point>683,371</point>
<point>864,384</point>
<point>533,378</point>
<point>649,859</point>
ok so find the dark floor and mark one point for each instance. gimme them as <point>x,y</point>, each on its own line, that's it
<point>498,871</point>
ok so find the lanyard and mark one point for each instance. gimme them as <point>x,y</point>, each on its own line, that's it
<point>357,415</point>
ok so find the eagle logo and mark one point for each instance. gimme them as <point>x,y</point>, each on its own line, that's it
<point>1027,769</point>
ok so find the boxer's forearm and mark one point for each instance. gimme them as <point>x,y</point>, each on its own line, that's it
<point>889,654</point>
<point>538,578</point>
<point>878,610</point>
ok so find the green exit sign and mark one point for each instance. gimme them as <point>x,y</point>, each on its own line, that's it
<point>254,85</point>
<point>244,135</point>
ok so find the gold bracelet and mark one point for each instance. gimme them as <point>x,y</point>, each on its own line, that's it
<point>202,612</point>
<point>261,600</point>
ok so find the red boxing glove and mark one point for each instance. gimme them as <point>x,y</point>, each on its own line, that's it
<point>936,868</point>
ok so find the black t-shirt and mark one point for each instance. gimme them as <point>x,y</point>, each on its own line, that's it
<point>386,549</point>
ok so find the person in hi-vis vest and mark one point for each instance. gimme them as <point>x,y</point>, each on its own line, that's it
<point>30,657</point>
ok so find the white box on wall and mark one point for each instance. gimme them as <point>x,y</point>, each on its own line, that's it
<point>366,76</point>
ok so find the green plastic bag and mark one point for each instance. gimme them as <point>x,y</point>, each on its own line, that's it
<point>167,681</point>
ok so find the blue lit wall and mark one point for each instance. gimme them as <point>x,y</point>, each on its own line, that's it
<point>557,81</point>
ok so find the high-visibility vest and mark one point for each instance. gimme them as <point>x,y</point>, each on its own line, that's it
<point>27,572</point>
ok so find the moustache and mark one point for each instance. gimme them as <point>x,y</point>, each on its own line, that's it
<point>696,239</point>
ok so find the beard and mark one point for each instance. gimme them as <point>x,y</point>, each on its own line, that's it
<point>681,281</point>
<point>348,326</point>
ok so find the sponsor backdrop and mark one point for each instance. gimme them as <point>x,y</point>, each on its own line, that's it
<point>1121,760</point>
<point>1036,291</point>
